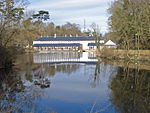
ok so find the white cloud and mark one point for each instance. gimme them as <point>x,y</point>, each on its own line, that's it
<point>75,11</point>
<point>63,4</point>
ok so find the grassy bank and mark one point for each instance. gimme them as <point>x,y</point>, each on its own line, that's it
<point>141,55</point>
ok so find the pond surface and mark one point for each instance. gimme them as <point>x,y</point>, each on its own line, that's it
<point>73,83</point>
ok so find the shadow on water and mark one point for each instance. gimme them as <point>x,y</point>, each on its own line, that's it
<point>131,90</point>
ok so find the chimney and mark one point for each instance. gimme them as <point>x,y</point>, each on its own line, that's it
<point>55,35</point>
<point>91,34</point>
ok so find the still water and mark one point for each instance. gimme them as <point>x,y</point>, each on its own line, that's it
<point>74,83</point>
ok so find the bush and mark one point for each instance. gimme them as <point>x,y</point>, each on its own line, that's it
<point>108,52</point>
<point>8,55</point>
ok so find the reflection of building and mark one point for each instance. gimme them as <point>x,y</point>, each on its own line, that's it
<point>65,57</point>
<point>63,43</point>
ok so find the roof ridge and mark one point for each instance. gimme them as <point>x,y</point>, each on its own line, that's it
<point>81,38</point>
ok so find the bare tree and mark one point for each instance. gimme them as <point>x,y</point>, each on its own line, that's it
<point>11,13</point>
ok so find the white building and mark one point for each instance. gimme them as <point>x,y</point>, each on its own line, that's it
<point>110,44</point>
<point>63,43</point>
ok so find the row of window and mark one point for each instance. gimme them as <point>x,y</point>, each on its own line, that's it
<point>58,48</point>
<point>91,47</point>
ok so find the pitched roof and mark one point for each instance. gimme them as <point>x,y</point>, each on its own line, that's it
<point>65,39</point>
<point>110,43</point>
<point>56,45</point>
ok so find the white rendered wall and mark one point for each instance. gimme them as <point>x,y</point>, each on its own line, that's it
<point>84,43</point>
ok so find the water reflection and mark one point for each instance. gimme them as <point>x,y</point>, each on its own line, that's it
<point>65,57</point>
<point>131,90</point>
<point>14,93</point>
<point>49,82</point>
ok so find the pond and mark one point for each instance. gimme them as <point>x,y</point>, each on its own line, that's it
<point>72,82</point>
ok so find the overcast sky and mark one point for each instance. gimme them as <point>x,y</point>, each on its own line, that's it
<point>75,11</point>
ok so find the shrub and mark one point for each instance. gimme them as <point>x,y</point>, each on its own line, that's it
<point>8,55</point>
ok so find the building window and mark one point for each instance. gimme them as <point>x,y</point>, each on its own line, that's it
<point>74,48</point>
<point>39,48</point>
<point>91,54</point>
<point>66,48</point>
<point>52,48</point>
<point>59,48</point>
<point>91,47</point>
<point>45,48</point>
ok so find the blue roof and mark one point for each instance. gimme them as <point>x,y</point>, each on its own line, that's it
<point>56,45</point>
<point>65,39</point>
<point>91,44</point>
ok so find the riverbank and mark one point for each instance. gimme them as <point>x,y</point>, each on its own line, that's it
<point>131,55</point>
<point>8,56</point>
<point>128,64</point>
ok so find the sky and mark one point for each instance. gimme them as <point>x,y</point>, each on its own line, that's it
<point>75,11</point>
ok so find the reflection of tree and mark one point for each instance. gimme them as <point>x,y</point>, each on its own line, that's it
<point>96,75</point>
<point>22,86</point>
<point>131,90</point>
<point>50,70</point>
<point>13,92</point>
<point>66,68</point>
<point>7,80</point>
<point>40,74</point>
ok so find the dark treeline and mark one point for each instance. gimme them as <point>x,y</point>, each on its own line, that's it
<point>11,14</point>
<point>35,29</point>
<point>130,23</point>
<point>19,27</point>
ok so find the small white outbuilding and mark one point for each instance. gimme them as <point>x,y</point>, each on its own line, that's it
<point>110,44</point>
